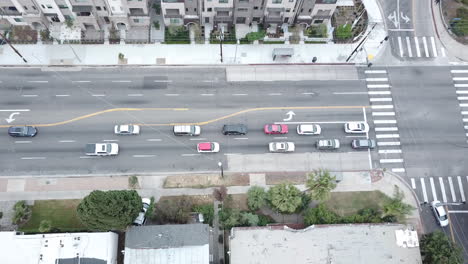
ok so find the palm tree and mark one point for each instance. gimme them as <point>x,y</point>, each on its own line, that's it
<point>319,184</point>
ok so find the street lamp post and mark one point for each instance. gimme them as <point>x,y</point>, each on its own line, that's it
<point>221,38</point>
<point>220,165</point>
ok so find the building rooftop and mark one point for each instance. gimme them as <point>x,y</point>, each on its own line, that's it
<point>63,248</point>
<point>356,243</point>
<point>168,244</point>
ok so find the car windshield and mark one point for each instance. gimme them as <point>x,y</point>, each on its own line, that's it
<point>443,217</point>
<point>109,148</point>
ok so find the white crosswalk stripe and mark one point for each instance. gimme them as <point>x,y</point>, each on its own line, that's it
<point>452,190</point>
<point>400,47</point>
<point>434,194</point>
<point>398,169</point>
<point>387,136</point>
<point>418,51</point>
<point>385,129</point>
<point>413,183</point>
<point>434,47</point>
<point>384,121</point>
<point>395,143</point>
<point>456,194</point>
<point>375,71</point>
<point>426,49</point>
<point>442,188</point>
<point>462,191</point>
<point>391,160</point>
<point>370,86</point>
<point>382,99</point>
<point>389,151</point>
<point>383,113</point>
<point>423,185</point>
<point>382,106</point>
<point>408,44</point>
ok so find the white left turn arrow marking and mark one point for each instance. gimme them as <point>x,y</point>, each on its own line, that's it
<point>291,114</point>
<point>10,118</point>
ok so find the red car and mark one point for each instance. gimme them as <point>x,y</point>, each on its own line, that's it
<point>275,129</point>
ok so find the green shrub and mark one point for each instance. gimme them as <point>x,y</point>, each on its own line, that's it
<point>256,198</point>
<point>207,211</point>
<point>176,35</point>
<point>343,32</point>
<point>22,212</point>
<point>317,31</point>
<point>252,36</point>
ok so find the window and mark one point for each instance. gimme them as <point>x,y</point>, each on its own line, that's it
<point>49,6</point>
<point>288,10</point>
<point>210,9</point>
<point>34,7</point>
<point>113,8</point>
<point>186,9</point>
<point>63,6</point>
<point>240,20</point>
<point>18,19</point>
<point>195,10</point>
<point>290,1</point>
<point>174,21</point>
<point>242,9</point>
<point>255,7</point>
<point>98,8</point>
<point>105,9</point>
<point>222,13</point>
<point>223,1</point>
<point>318,21</point>
<point>207,20</point>
<point>276,1</point>
<point>310,10</point>
<point>25,7</point>
<point>243,1</point>
<point>136,20</point>
<point>43,6</point>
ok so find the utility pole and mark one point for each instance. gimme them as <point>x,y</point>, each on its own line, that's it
<point>220,165</point>
<point>13,48</point>
<point>221,38</point>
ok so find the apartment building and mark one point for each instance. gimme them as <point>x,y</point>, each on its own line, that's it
<point>228,12</point>
<point>87,14</point>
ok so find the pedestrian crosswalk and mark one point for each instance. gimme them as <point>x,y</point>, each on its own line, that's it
<point>384,118</point>
<point>460,82</point>
<point>417,47</point>
<point>445,189</point>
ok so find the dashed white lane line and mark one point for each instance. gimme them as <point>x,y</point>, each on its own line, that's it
<point>29,95</point>
<point>172,94</point>
<point>274,94</point>
<point>462,191</point>
<point>381,99</point>
<point>408,44</point>
<point>400,46</point>
<point>434,47</point>
<point>370,86</point>
<point>67,141</point>
<point>413,184</point>
<point>385,129</point>
<point>241,138</point>
<point>394,143</point>
<point>387,136</point>
<point>154,139</point>
<point>426,49</point>
<point>227,154</point>
<point>98,95</point>
<point>197,139</point>
<point>389,151</point>
<point>110,140</point>
<point>143,156</point>
<point>15,110</point>
<point>379,92</point>
<point>209,81</point>
<point>189,155</point>
<point>434,194</point>
<point>206,94</point>
<point>459,71</point>
<point>22,142</point>
<point>240,94</point>
<point>383,113</point>
<point>423,185</point>
<point>385,122</point>
<point>122,81</point>
<point>82,81</point>
<point>442,188</point>
<point>461,85</point>
<point>38,81</point>
<point>391,161</point>
<point>398,169</point>
<point>88,157</point>
<point>135,95</point>
<point>280,137</point>
<point>375,71</point>
<point>308,93</point>
<point>416,42</point>
<point>452,190</point>
<point>62,95</point>
<point>376,79</point>
<point>349,93</point>
<point>382,106</point>
<point>460,78</point>
<point>33,158</point>
<point>162,81</point>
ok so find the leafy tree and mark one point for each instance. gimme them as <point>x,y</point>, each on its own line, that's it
<point>396,207</point>
<point>367,215</point>
<point>208,212</point>
<point>344,32</point>
<point>249,219</point>
<point>264,220</point>
<point>109,210</point>
<point>22,212</point>
<point>256,198</point>
<point>45,226</point>
<point>173,211</point>
<point>319,184</point>
<point>438,248</point>
<point>285,198</point>
<point>220,193</point>
<point>255,35</point>
<point>228,218</point>
<point>320,215</point>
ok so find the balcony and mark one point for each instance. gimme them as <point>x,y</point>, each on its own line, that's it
<point>137,12</point>
<point>9,11</point>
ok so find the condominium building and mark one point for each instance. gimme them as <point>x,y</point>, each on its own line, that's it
<point>95,14</point>
<point>183,12</point>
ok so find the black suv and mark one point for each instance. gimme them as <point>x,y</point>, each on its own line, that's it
<point>22,131</point>
<point>238,129</point>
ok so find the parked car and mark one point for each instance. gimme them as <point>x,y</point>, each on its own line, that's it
<point>208,147</point>
<point>236,129</point>
<point>281,147</point>
<point>309,129</point>
<point>440,214</point>
<point>187,130</point>
<point>363,144</point>
<point>22,131</point>
<point>328,144</point>
<point>356,127</point>
<point>141,218</point>
<point>275,129</point>
<point>127,129</point>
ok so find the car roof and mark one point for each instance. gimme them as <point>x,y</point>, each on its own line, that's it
<point>307,126</point>
<point>440,209</point>
<point>204,146</point>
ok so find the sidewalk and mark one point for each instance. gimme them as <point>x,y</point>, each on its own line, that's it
<point>15,189</point>
<point>453,47</point>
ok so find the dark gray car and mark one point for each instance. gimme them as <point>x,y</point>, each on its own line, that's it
<point>363,144</point>
<point>237,129</point>
<point>22,131</point>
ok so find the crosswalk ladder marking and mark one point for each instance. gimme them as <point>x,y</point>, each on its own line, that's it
<point>460,186</point>
<point>426,49</point>
<point>423,185</point>
<point>418,51</point>
<point>434,194</point>
<point>400,46</point>
<point>410,52</point>
<point>454,198</point>
<point>442,188</point>
<point>434,47</point>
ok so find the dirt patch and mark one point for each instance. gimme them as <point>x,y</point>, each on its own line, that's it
<point>238,201</point>
<point>23,34</point>
<point>194,199</point>
<point>285,177</point>
<point>205,181</point>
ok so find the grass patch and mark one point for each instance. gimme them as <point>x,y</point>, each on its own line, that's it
<point>273,42</point>
<point>62,214</point>
<point>315,42</point>
<point>348,203</point>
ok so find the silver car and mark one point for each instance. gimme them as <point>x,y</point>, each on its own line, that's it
<point>440,214</point>
<point>328,144</point>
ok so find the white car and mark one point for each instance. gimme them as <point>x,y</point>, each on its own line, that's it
<point>210,147</point>
<point>356,127</point>
<point>281,147</point>
<point>440,214</point>
<point>141,218</point>
<point>309,129</point>
<point>127,129</point>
